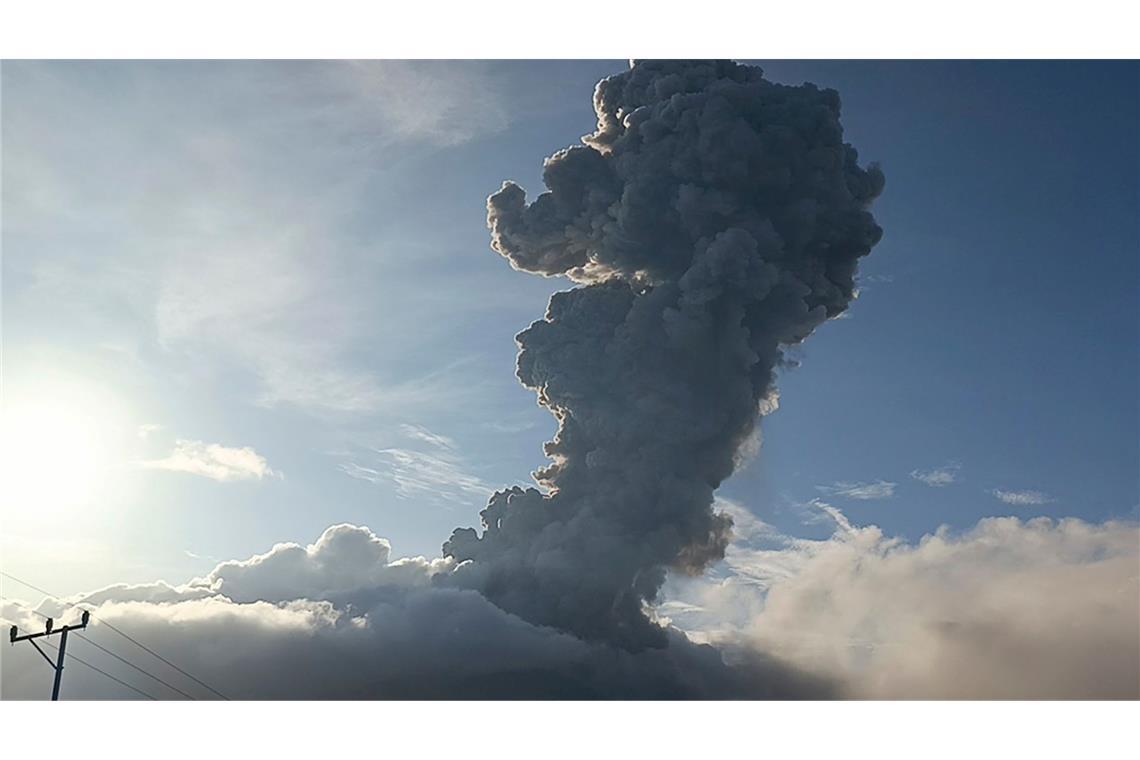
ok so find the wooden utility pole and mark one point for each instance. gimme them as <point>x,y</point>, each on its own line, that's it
<point>58,664</point>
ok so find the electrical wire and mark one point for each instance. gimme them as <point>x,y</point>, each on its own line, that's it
<point>97,646</point>
<point>70,656</point>
<point>136,667</point>
<point>168,662</point>
<point>121,633</point>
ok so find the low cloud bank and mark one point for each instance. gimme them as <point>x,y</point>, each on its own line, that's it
<point>339,619</point>
<point>1009,609</point>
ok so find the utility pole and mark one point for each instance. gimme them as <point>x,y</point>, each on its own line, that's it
<point>57,666</point>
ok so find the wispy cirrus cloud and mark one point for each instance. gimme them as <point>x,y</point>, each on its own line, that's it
<point>880,489</point>
<point>509,428</point>
<point>836,515</point>
<point>419,474</point>
<point>422,101</point>
<point>429,468</point>
<point>219,251</point>
<point>420,433</point>
<point>760,554</point>
<point>146,430</point>
<point>939,477</point>
<point>204,557</point>
<point>214,461</point>
<point>1022,498</point>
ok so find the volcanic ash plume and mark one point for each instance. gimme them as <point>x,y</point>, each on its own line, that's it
<point>712,219</point>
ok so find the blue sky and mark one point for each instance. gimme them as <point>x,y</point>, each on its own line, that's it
<point>293,258</point>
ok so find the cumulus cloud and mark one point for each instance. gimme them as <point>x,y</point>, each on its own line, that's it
<point>345,559</point>
<point>1008,609</point>
<point>939,477</point>
<point>882,489</point>
<point>1022,498</point>
<point>214,461</point>
<point>340,619</point>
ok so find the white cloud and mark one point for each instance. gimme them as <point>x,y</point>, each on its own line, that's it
<point>819,512</point>
<point>1022,498</point>
<point>146,430</point>
<point>336,618</point>
<point>212,460</point>
<point>345,558</point>
<point>881,489</point>
<point>260,301</point>
<point>939,477</point>
<point>439,474</point>
<point>757,554</point>
<point>421,433</point>
<point>190,218</point>
<point>836,515</point>
<point>438,102</point>
<point>340,619</point>
<point>1010,609</point>
<point>401,643</point>
<point>420,475</point>
<point>510,428</point>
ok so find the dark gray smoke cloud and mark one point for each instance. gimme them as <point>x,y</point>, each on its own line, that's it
<point>712,219</point>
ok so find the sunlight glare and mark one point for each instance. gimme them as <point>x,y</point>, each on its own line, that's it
<point>55,452</point>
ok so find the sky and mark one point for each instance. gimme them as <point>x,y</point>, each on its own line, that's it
<point>247,301</point>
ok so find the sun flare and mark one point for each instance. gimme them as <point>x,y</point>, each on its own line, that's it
<point>55,453</point>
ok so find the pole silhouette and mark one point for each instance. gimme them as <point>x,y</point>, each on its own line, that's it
<point>49,630</point>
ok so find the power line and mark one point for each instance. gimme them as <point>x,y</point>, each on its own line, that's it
<point>168,662</point>
<point>121,633</point>
<point>58,666</point>
<point>48,631</point>
<point>70,656</point>
<point>33,588</point>
<point>136,667</point>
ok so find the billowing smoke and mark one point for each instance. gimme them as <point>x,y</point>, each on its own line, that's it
<point>712,219</point>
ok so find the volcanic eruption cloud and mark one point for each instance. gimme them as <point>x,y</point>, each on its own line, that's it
<point>712,219</point>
